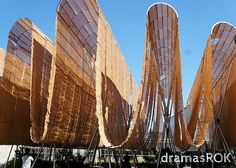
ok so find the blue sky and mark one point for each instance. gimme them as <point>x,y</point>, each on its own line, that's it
<point>127,19</point>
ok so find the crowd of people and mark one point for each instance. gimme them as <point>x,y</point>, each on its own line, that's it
<point>68,161</point>
<point>71,161</point>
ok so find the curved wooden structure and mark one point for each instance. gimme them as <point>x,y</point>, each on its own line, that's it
<point>159,77</point>
<point>2,60</point>
<point>70,117</point>
<point>15,86</point>
<point>62,93</point>
<point>223,89</point>
<point>200,112</point>
<point>116,90</point>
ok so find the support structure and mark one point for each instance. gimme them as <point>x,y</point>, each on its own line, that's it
<point>135,159</point>
<point>50,153</point>
<point>93,139</point>
<point>14,163</point>
<point>54,156</point>
<point>39,152</point>
<point>166,134</point>
<point>8,157</point>
<point>109,157</point>
<point>218,130</point>
<point>95,151</point>
<point>115,157</point>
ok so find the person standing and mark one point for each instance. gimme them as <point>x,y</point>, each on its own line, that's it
<point>27,159</point>
<point>126,163</point>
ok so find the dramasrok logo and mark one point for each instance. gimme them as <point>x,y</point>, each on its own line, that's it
<point>207,157</point>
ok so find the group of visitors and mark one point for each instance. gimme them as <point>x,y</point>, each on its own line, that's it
<point>68,161</point>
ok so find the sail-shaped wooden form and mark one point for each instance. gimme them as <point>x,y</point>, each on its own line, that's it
<point>64,92</point>
<point>23,42</point>
<point>223,82</point>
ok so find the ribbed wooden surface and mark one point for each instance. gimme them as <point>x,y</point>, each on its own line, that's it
<point>58,93</point>
<point>224,59</point>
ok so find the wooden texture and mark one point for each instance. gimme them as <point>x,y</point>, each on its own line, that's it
<point>59,93</point>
